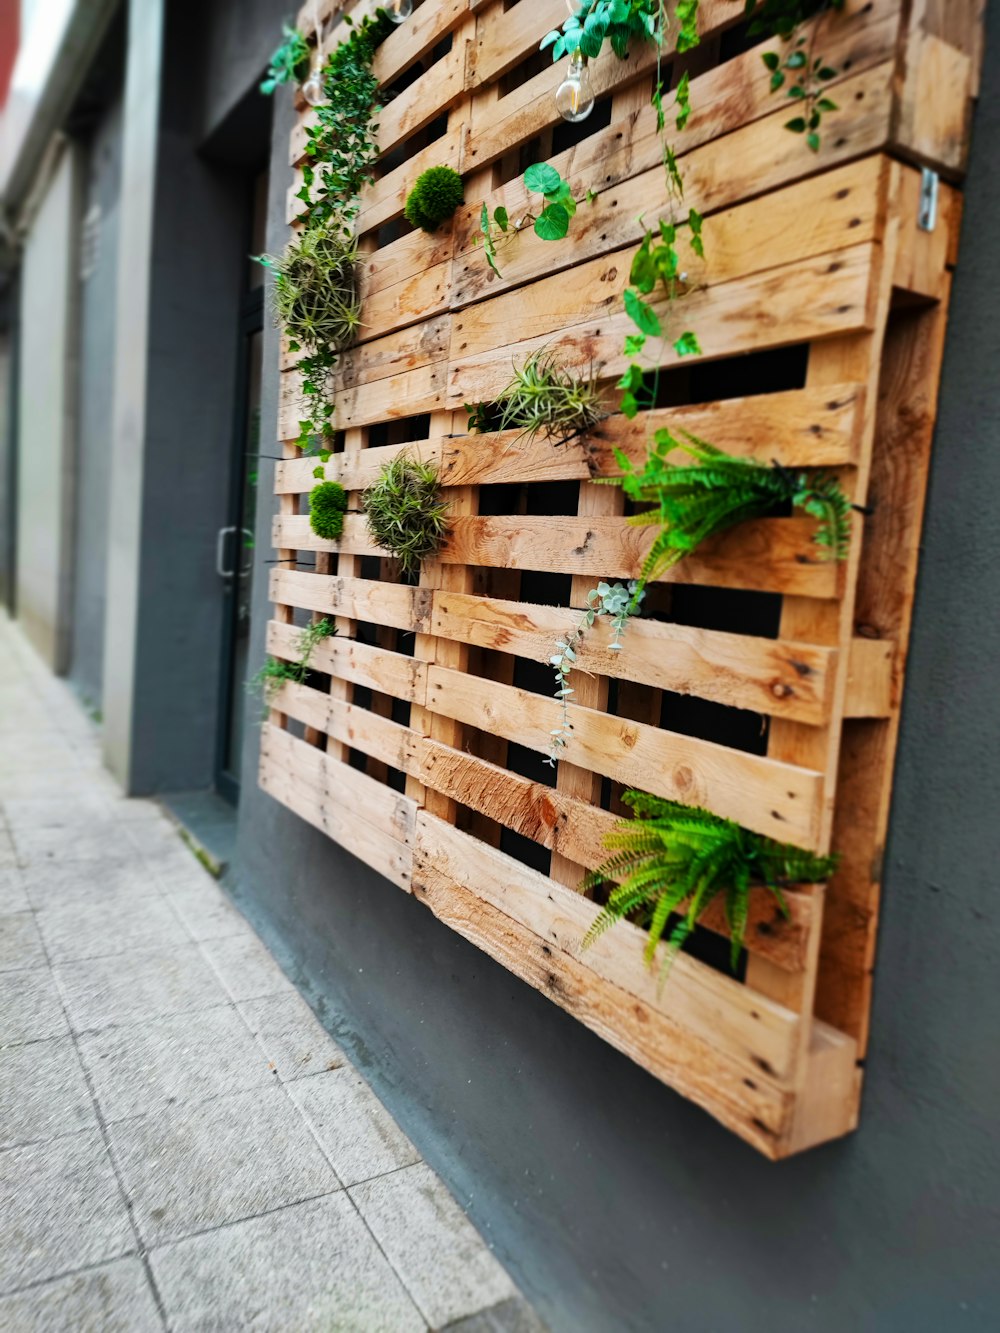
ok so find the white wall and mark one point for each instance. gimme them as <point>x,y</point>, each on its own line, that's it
<point>46,418</point>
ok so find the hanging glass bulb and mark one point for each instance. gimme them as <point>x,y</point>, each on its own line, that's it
<point>312,89</point>
<point>400,10</point>
<point>575,96</point>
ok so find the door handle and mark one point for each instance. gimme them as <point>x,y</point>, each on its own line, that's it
<point>220,551</point>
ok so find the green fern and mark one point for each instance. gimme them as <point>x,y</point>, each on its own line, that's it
<point>673,860</point>
<point>696,501</point>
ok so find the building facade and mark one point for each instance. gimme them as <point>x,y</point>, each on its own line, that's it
<point>140,170</point>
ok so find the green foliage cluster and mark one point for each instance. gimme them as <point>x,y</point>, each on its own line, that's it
<point>436,193</point>
<point>340,147</point>
<point>289,62</point>
<point>800,70</point>
<point>327,505</point>
<point>716,492</point>
<point>550,223</point>
<point>621,22</point>
<point>619,602</point>
<point>340,154</point>
<point>405,512</point>
<point>273,674</point>
<point>674,859</point>
<point>545,398</point>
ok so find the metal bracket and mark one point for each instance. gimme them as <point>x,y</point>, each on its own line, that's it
<point>929,183</point>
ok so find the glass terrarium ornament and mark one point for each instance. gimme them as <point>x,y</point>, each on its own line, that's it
<point>575,95</point>
<point>312,89</point>
<point>400,10</point>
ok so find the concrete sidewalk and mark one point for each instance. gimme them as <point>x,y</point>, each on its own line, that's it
<point>182,1146</point>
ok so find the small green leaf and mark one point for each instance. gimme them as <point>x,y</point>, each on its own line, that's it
<point>634,343</point>
<point>771,59</point>
<point>797,126</point>
<point>813,141</point>
<point>687,345</point>
<point>642,315</point>
<point>500,218</point>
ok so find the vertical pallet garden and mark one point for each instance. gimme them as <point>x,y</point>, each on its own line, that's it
<point>764,682</point>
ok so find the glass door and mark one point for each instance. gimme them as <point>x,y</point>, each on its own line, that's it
<point>236,539</point>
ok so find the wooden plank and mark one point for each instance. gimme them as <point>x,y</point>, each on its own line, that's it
<point>870,678</point>
<point>792,304</point>
<point>742,83</point>
<point>740,671</point>
<point>390,604</point>
<point>314,786</point>
<point>548,817</point>
<point>798,428</point>
<point>746,1028</point>
<point>760,1114</point>
<point>770,555</point>
<point>358,663</point>
<point>423,101</point>
<point>933,116</point>
<point>801,221</point>
<point>777,799</point>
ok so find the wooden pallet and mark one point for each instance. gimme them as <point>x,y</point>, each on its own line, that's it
<point>771,695</point>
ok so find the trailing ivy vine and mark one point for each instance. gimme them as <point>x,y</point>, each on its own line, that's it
<point>619,602</point>
<point>275,671</point>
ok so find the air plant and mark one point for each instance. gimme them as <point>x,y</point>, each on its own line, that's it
<point>405,511</point>
<point>545,398</point>
<point>315,289</point>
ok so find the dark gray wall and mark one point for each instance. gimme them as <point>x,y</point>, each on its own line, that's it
<point>98,277</point>
<point>616,1204</point>
<point>164,687</point>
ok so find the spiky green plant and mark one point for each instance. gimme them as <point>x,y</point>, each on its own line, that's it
<point>315,289</point>
<point>327,504</point>
<point>405,511</point>
<point>275,671</point>
<point>695,501</point>
<point>545,398</point>
<point>674,859</point>
<point>436,194</point>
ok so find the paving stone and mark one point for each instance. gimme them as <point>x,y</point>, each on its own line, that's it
<point>292,1037</point>
<point>357,1133</point>
<point>246,968</point>
<point>142,1068</point>
<point>20,944</point>
<point>513,1316</point>
<point>60,1209</point>
<point>208,914</point>
<point>431,1244</point>
<point>313,1268</point>
<point>106,840</point>
<point>201,1164</point>
<point>43,1093</point>
<point>66,881</point>
<point>92,927</point>
<point>34,812</point>
<point>30,1007</point>
<point>115,1298</point>
<point>13,895</point>
<point>132,988</point>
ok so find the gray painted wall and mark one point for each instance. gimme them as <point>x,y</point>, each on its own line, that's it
<point>47,414</point>
<point>182,261</point>
<point>616,1204</point>
<point>98,283</point>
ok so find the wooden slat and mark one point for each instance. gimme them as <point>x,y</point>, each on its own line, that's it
<point>360,663</point>
<point>798,303</point>
<point>546,816</point>
<point>759,1113</point>
<point>777,799</point>
<point>342,804</point>
<point>770,555</point>
<point>709,1004</point>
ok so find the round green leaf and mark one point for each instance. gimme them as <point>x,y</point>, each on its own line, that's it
<point>552,224</point>
<point>542,179</point>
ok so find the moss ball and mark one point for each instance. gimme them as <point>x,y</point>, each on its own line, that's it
<point>436,193</point>
<point>327,503</point>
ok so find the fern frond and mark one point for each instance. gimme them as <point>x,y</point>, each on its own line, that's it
<point>679,859</point>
